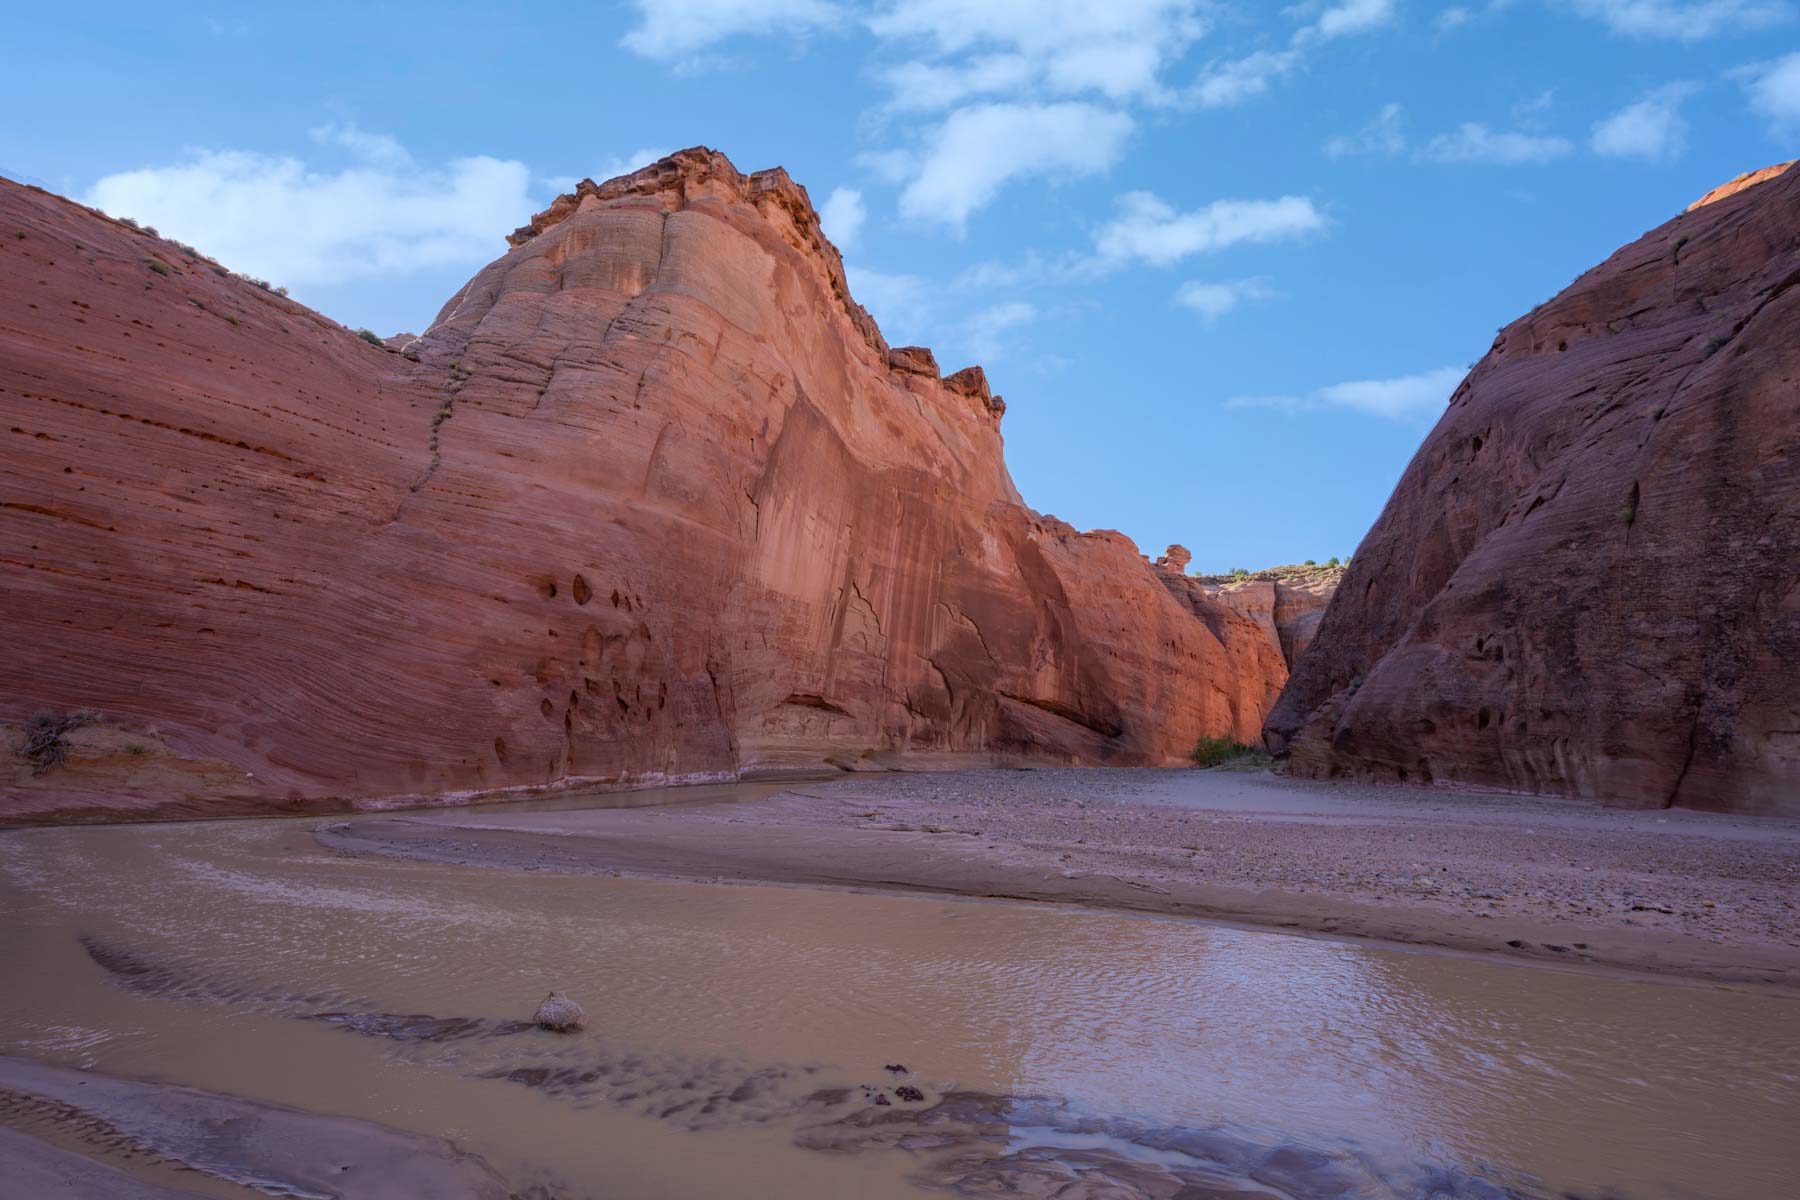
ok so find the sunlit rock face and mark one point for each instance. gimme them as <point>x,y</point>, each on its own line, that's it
<point>1586,581</point>
<point>652,500</point>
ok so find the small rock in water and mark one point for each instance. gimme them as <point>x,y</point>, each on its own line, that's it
<point>559,1014</point>
<point>897,1068</point>
<point>910,1094</point>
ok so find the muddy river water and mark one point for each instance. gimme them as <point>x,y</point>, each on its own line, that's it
<point>740,1038</point>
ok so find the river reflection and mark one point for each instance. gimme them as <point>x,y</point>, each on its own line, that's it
<point>1121,1036</point>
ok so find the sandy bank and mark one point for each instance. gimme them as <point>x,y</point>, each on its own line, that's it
<point>1679,894</point>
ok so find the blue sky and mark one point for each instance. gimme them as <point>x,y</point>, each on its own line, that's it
<point>1225,260</point>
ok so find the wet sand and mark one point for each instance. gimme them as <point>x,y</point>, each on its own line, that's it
<point>1679,894</point>
<point>206,1004</point>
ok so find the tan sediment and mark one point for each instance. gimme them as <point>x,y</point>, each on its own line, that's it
<point>1674,894</point>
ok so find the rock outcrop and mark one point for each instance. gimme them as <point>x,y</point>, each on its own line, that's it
<point>1587,582</point>
<point>1286,603</point>
<point>651,501</point>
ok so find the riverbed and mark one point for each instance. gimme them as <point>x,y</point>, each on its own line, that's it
<point>761,1041</point>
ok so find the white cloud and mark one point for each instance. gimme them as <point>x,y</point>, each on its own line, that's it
<point>1353,16</point>
<point>842,216</point>
<point>376,149</point>
<point>1151,231</point>
<point>1384,134</point>
<point>1652,128</point>
<point>1773,89</point>
<point>1476,143</point>
<point>931,87</point>
<point>673,30</point>
<point>1064,47</point>
<point>901,304</point>
<point>1406,398</point>
<point>1459,15</point>
<point>610,168</point>
<point>274,216</point>
<point>1685,20</point>
<point>625,164</point>
<point>1224,84</point>
<point>1228,82</point>
<point>977,150</point>
<point>983,331</point>
<point>1214,300</point>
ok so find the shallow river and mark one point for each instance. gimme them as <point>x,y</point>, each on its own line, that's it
<point>739,1037</point>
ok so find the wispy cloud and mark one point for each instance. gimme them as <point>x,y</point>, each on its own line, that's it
<point>1773,89</point>
<point>1150,230</point>
<point>1116,50</point>
<point>984,331</point>
<point>1214,300</point>
<point>968,158</point>
<point>842,216</point>
<point>1651,128</point>
<point>381,215</point>
<point>1476,143</point>
<point>1403,398</point>
<point>1685,20</point>
<point>903,305</point>
<point>679,30</point>
<point>1233,81</point>
<point>1385,134</point>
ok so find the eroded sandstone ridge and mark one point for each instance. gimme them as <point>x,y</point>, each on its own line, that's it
<point>652,500</point>
<point>1287,603</point>
<point>1588,580</point>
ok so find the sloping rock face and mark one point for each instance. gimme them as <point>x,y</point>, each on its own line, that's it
<point>651,501</point>
<point>1588,580</point>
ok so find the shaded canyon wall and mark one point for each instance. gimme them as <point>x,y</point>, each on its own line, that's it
<point>1587,582</point>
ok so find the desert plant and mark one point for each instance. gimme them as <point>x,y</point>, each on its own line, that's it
<point>44,746</point>
<point>160,267</point>
<point>371,337</point>
<point>1332,561</point>
<point>1713,346</point>
<point>1212,751</point>
<point>136,749</point>
<point>1309,563</point>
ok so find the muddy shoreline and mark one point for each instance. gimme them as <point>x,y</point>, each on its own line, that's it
<point>1698,897</point>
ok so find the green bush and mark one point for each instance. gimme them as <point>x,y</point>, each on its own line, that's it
<point>1213,751</point>
<point>371,337</point>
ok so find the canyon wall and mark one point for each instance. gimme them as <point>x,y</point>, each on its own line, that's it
<point>651,501</point>
<point>1587,582</point>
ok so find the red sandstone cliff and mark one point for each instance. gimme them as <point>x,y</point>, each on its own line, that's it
<point>652,500</point>
<point>1286,603</point>
<point>1588,580</point>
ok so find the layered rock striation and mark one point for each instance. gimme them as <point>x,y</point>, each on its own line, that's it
<point>1587,582</point>
<point>651,501</point>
